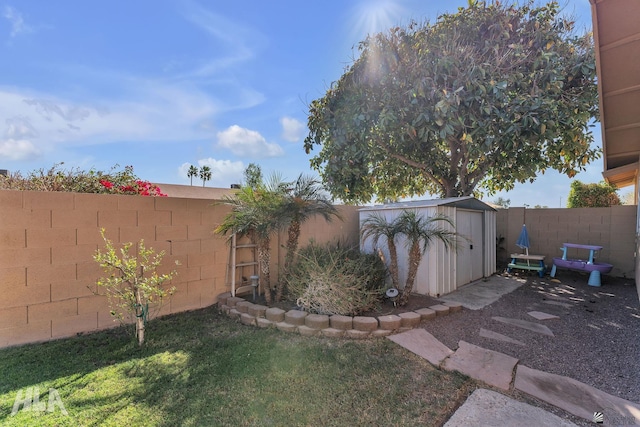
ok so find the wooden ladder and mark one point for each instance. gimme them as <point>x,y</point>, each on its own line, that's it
<point>243,263</point>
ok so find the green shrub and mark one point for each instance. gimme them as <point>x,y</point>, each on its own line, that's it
<point>336,279</point>
<point>600,195</point>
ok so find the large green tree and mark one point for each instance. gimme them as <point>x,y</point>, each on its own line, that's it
<point>481,99</point>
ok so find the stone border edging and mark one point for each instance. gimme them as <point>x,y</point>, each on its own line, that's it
<point>334,326</point>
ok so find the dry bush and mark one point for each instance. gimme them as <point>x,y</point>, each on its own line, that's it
<point>333,279</point>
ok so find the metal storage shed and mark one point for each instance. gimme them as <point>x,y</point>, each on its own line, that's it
<point>443,271</point>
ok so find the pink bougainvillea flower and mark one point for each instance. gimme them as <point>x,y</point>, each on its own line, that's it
<point>106,184</point>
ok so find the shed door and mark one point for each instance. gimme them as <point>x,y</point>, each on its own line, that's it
<point>469,257</point>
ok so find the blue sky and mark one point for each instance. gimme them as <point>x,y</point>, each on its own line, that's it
<point>163,84</point>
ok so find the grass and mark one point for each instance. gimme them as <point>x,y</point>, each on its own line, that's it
<point>203,369</point>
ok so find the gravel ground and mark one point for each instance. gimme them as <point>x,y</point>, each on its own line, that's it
<point>597,335</point>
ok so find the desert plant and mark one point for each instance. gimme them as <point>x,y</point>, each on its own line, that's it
<point>336,279</point>
<point>421,231</point>
<point>255,211</point>
<point>377,227</point>
<point>132,284</point>
<point>305,199</point>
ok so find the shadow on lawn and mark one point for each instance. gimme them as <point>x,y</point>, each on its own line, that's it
<point>201,368</point>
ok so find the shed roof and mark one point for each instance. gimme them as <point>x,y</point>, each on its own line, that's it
<point>465,202</point>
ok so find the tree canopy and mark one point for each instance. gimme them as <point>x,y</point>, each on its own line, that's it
<point>481,99</point>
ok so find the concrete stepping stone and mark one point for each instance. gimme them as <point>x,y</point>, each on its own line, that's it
<point>489,408</point>
<point>575,397</point>
<point>486,333</point>
<point>524,324</point>
<point>423,344</point>
<point>491,367</point>
<point>561,304</point>
<point>541,315</point>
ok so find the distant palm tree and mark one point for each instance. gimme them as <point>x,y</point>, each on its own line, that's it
<point>305,199</point>
<point>377,227</point>
<point>193,171</point>
<point>420,232</point>
<point>205,174</point>
<point>256,211</point>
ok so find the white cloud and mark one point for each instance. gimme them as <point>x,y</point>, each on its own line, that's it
<point>223,172</point>
<point>152,112</point>
<point>292,130</point>
<point>17,149</point>
<point>18,26</point>
<point>247,143</point>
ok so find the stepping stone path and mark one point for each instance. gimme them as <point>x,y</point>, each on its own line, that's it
<point>542,316</point>
<point>485,333</point>
<point>531,326</point>
<point>485,365</point>
<point>423,344</point>
<point>561,304</point>
<point>486,408</point>
<point>575,397</point>
<point>497,370</point>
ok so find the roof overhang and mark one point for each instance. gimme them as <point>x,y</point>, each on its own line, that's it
<point>616,33</point>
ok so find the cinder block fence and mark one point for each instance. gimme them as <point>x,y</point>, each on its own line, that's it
<point>612,228</point>
<point>47,241</point>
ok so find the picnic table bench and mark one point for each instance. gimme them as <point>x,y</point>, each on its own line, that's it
<point>522,261</point>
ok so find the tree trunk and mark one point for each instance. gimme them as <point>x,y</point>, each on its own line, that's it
<point>139,318</point>
<point>292,247</point>
<point>393,263</point>
<point>415,256</point>
<point>264,259</point>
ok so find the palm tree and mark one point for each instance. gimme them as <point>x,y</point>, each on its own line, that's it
<point>205,174</point>
<point>305,199</point>
<point>420,232</point>
<point>193,171</point>
<point>256,210</point>
<point>377,227</point>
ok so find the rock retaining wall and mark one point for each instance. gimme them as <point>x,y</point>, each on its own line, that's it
<point>335,326</point>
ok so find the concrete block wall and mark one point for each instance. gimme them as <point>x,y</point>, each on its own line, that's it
<point>612,228</point>
<point>47,243</point>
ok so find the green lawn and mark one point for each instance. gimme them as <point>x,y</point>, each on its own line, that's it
<point>203,369</point>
